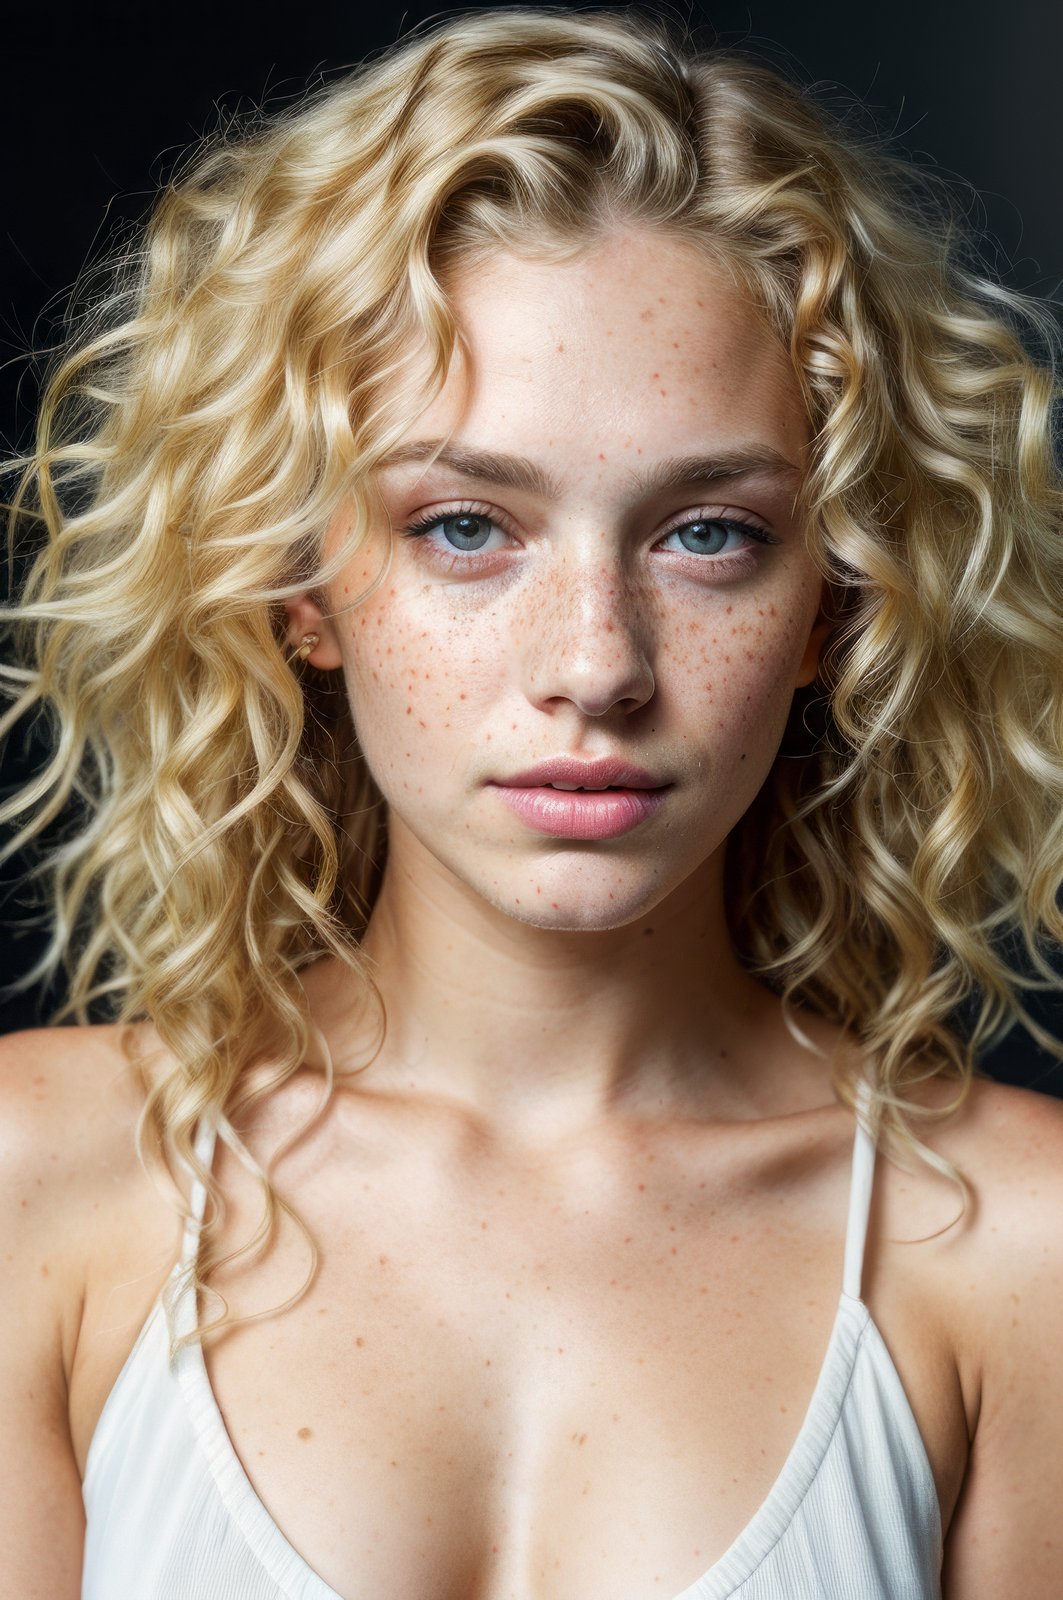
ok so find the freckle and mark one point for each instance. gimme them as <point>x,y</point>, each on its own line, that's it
<point>647,932</point>
<point>642,1187</point>
<point>44,1270</point>
<point>461,697</point>
<point>664,391</point>
<point>409,711</point>
<point>306,1433</point>
<point>560,348</point>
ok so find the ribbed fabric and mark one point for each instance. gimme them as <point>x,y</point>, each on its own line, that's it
<point>853,1515</point>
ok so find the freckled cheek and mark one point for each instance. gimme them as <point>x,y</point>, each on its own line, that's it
<point>737,670</point>
<point>410,691</point>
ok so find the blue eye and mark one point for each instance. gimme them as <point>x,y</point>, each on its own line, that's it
<point>707,536</point>
<point>467,532</point>
<point>461,530</point>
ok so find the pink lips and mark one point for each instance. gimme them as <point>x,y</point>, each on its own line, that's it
<point>632,796</point>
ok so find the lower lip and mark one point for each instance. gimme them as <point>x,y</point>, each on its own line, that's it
<point>567,815</point>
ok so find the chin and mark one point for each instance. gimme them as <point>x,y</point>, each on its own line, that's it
<point>580,910</point>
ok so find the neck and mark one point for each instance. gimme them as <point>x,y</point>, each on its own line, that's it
<point>544,1030</point>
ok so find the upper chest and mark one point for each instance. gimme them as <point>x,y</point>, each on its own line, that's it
<point>544,1381</point>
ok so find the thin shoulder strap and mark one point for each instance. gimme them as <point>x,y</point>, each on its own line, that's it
<point>206,1134</point>
<point>863,1173</point>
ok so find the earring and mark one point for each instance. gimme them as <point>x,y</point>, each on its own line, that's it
<point>310,642</point>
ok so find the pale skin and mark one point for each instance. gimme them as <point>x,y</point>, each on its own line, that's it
<point>581,1219</point>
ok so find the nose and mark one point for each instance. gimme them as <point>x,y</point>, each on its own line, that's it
<point>589,638</point>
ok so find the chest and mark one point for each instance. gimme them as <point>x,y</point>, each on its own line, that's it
<point>493,1390</point>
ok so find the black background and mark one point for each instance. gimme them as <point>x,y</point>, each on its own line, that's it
<point>98,101</point>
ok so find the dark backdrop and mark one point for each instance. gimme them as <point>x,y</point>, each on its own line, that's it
<point>99,99</point>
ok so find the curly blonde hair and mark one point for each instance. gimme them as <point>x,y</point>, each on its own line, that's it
<point>269,338</point>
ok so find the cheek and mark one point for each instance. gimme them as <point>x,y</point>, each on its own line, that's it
<point>749,651</point>
<point>415,684</point>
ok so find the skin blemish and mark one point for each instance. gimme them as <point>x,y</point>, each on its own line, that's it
<point>305,1433</point>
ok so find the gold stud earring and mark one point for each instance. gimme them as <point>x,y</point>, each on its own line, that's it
<point>310,643</point>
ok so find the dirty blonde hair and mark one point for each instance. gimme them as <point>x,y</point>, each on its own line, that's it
<point>270,336</point>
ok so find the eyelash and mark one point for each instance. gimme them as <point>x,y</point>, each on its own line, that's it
<point>472,560</point>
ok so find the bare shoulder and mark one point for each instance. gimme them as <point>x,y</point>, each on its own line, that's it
<point>1006,1294</point>
<point>1009,1143</point>
<point>69,1103</point>
<point>68,1096</point>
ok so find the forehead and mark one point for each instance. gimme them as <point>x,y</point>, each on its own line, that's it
<point>641,343</point>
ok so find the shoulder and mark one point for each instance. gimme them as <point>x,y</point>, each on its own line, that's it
<point>68,1097</point>
<point>1004,1286</point>
<point>72,1200</point>
<point>69,1103</point>
<point>1009,1144</point>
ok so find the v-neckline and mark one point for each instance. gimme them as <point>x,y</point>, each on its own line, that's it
<point>852,1327</point>
<point>298,1580</point>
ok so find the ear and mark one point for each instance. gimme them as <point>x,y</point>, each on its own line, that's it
<point>305,615</point>
<point>817,639</point>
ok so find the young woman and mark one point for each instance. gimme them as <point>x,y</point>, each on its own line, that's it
<point>552,599</point>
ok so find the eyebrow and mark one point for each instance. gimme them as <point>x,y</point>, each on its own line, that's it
<point>517,472</point>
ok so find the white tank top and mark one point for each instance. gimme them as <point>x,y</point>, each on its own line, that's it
<point>853,1515</point>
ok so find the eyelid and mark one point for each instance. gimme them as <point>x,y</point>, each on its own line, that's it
<point>682,519</point>
<point>726,515</point>
<point>465,508</point>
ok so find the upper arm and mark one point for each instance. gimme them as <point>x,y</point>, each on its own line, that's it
<point>41,1513</point>
<point>1006,1535</point>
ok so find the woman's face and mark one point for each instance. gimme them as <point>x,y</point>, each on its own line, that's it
<point>603,566</point>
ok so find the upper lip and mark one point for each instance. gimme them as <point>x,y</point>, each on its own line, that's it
<point>607,772</point>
